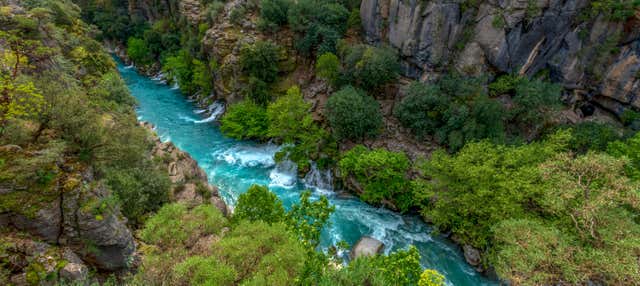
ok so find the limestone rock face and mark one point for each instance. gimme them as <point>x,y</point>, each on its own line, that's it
<point>506,36</point>
<point>366,246</point>
<point>99,236</point>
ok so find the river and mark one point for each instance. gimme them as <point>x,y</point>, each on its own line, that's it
<point>234,165</point>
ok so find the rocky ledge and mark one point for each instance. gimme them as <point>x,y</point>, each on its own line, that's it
<point>190,183</point>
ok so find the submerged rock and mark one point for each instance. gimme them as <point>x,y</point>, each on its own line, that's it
<point>366,246</point>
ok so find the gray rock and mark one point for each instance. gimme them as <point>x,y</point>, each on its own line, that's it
<point>366,246</point>
<point>472,255</point>
<point>74,270</point>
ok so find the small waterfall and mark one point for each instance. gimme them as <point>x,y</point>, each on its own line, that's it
<point>215,110</point>
<point>320,180</point>
<point>284,174</point>
<point>175,86</point>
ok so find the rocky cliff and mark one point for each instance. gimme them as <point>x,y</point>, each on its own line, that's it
<point>594,56</point>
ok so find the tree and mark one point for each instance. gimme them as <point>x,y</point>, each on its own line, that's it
<point>245,120</point>
<point>308,218</point>
<point>258,203</point>
<point>327,67</point>
<point>371,67</point>
<point>483,184</point>
<point>430,277</point>
<point>353,115</point>
<point>423,109</point>
<point>138,51</point>
<point>260,60</point>
<point>202,271</point>
<point>381,174</point>
<point>629,149</point>
<point>289,116</point>
<point>535,100</point>
<point>274,13</point>
<point>18,99</point>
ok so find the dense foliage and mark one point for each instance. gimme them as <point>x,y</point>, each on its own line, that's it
<point>245,120</point>
<point>381,174</point>
<point>457,109</point>
<point>370,67</point>
<point>353,115</point>
<point>66,102</point>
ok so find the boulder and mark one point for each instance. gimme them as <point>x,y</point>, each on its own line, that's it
<point>366,246</point>
<point>472,255</point>
<point>74,269</point>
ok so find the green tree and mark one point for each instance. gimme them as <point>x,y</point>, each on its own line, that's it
<point>483,184</point>
<point>138,51</point>
<point>274,14</point>
<point>629,149</point>
<point>245,120</point>
<point>535,101</point>
<point>258,203</point>
<point>430,277</point>
<point>260,60</point>
<point>18,99</point>
<point>289,116</point>
<point>353,115</point>
<point>371,67</point>
<point>308,218</point>
<point>328,67</point>
<point>381,174</point>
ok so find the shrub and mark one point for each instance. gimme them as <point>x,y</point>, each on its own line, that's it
<point>353,115</point>
<point>586,136</point>
<point>328,67</point>
<point>381,173</point>
<point>371,67</point>
<point>202,271</point>
<point>535,100</point>
<point>505,84</point>
<point>176,226</point>
<point>629,148</point>
<point>139,190</point>
<point>245,120</point>
<point>455,111</point>
<point>258,203</point>
<point>423,109</point>
<point>262,254</point>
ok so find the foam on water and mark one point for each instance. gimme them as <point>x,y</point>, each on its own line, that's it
<point>234,165</point>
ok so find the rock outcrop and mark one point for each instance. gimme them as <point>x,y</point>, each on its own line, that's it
<point>595,58</point>
<point>190,183</point>
<point>79,218</point>
<point>366,246</point>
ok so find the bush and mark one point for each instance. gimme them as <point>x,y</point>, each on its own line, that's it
<point>371,67</point>
<point>202,271</point>
<point>175,226</point>
<point>262,254</point>
<point>139,190</point>
<point>328,67</point>
<point>381,174</point>
<point>245,120</point>
<point>423,109</point>
<point>535,100</point>
<point>592,136</point>
<point>630,149</point>
<point>258,203</point>
<point>353,115</point>
<point>454,111</point>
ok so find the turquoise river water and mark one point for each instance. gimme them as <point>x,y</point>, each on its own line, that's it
<point>234,165</point>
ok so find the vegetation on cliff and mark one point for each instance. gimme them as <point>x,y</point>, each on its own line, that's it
<point>545,202</point>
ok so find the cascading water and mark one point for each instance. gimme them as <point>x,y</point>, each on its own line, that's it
<point>215,110</point>
<point>234,165</point>
<point>321,180</point>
